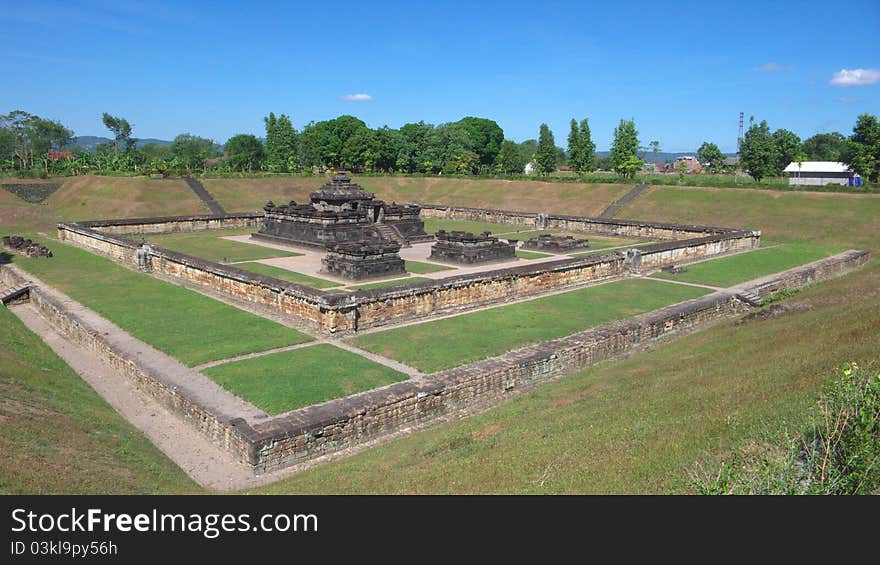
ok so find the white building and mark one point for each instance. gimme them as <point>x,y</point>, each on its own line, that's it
<point>820,173</point>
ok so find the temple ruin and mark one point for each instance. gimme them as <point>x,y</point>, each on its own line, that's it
<point>556,244</point>
<point>469,249</point>
<point>342,212</point>
<point>364,260</point>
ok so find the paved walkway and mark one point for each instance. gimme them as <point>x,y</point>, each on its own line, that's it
<point>205,196</point>
<point>623,201</point>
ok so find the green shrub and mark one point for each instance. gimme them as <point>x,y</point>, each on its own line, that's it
<point>839,454</point>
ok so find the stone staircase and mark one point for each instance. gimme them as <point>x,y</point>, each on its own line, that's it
<point>205,196</point>
<point>14,293</point>
<point>751,298</point>
<point>391,233</point>
<point>623,201</point>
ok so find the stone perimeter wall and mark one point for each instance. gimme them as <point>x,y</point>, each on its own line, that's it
<point>334,313</point>
<point>313,431</point>
<point>539,221</point>
<point>230,433</point>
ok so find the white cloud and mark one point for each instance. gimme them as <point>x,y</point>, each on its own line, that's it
<point>772,68</point>
<point>357,97</point>
<point>855,77</point>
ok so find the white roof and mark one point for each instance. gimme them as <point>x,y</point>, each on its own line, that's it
<point>817,167</point>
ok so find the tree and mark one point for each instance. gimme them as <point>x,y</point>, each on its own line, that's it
<point>758,152</point>
<point>711,156</point>
<point>655,150</point>
<point>27,137</point>
<point>244,153</point>
<point>510,159</point>
<point>190,151</point>
<point>862,151</point>
<point>121,132</point>
<point>624,150</point>
<point>281,142</point>
<point>581,149</point>
<point>788,148</point>
<point>486,137</point>
<point>546,154</point>
<point>824,147</point>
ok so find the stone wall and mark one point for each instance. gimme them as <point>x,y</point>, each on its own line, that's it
<point>173,224</point>
<point>345,313</point>
<point>313,431</point>
<point>579,224</point>
<point>230,433</point>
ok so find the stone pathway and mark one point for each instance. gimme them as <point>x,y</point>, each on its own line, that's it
<point>207,464</point>
<point>205,196</point>
<point>623,201</point>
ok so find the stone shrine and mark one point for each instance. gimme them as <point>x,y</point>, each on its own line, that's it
<point>363,260</point>
<point>342,212</point>
<point>556,244</point>
<point>467,248</point>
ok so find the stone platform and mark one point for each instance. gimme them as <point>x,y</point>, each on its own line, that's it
<point>364,260</point>
<point>467,248</point>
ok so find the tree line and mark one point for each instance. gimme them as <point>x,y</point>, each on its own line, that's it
<point>765,153</point>
<point>470,146</point>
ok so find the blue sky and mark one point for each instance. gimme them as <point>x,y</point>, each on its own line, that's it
<point>683,70</point>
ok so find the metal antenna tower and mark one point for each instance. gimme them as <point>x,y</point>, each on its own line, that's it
<point>739,136</point>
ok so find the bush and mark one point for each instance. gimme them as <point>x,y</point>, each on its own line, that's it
<point>839,454</point>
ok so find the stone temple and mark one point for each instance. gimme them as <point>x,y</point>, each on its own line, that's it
<point>467,248</point>
<point>342,212</point>
<point>364,260</point>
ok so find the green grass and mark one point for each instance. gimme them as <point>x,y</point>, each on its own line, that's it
<point>183,323</point>
<point>383,284</point>
<point>422,268</point>
<point>842,220</point>
<point>729,271</point>
<point>286,275</point>
<point>645,424</point>
<point>522,236</point>
<point>432,225</point>
<point>57,436</point>
<point>450,342</point>
<point>523,254</point>
<point>209,245</point>
<point>283,381</point>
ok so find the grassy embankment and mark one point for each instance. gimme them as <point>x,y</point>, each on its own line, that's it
<point>637,425</point>
<point>180,322</point>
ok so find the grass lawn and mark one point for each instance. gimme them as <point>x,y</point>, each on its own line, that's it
<point>645,424</point>
<point>283,381</point>
<point>181,322</point>
<point>728,271</point>
<point>422,268</point>
<point>383,284</point>
<point>850,220</point>
<point>433,346</point>
<point>523,254</point>
<point>432,225</point>
<point>285,275</point>
<point>211,246</point>
<point>57,436</point>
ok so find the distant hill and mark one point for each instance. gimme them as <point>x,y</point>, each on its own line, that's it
<point>91,142</point>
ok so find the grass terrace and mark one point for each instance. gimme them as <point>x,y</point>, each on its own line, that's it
<point>422,268</point>
<point>449,342</point>
<point>211,246</point>
<point>742,267</point>
<point>524,254</point>
<point>286,275</point>
<point>180,322</point>
<point>58,436</point>
<point>284,381</point>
